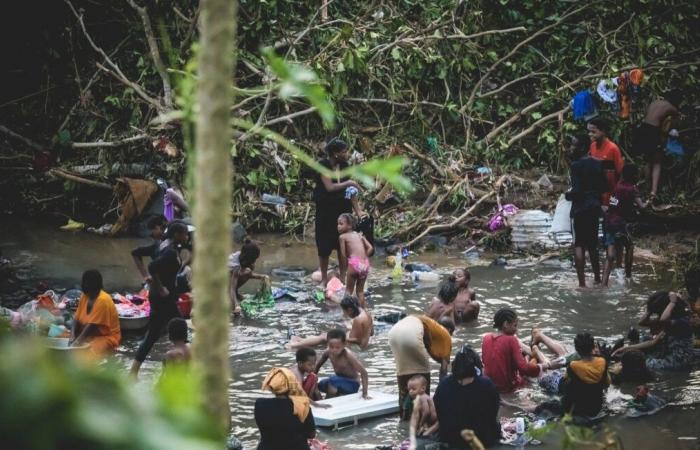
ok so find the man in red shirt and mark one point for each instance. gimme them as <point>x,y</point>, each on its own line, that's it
<point>607,152</point>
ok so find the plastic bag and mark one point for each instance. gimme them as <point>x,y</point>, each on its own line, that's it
<point>562,220</point>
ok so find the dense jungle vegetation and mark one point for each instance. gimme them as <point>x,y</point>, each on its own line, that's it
<point>449,84</point>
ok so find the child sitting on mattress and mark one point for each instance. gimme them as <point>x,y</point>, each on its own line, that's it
<point>347,367</point>
<point>355,250</point>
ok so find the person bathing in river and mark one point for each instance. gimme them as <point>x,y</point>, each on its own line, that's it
<point>671,346</point>
<point>502,353</point>
<point>587,187</point>
<point>443,304</point>
<point>617,218</point>
<point>96,321</point>
<point>466,307</point>
<point>331,202</point>
<point>179,352</point>
<point>241,265</point>
<point>361,329</point>
<point>156,228</point>
<point>423,415</point>
<point>304,371</point>
<point>354,250</point>
<point>347,367</point>
<point>414,341</point>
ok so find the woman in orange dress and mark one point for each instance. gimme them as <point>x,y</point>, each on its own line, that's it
<point>96,321</point>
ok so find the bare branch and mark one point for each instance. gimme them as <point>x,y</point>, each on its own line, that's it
<point>28,142</point>
<point>71,177</point>
<point>510,83</point>
<point>105,144</point>
<point>155,53</point>
<point>115,70</point>
<point>536,124</point>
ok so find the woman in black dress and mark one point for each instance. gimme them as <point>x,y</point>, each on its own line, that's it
<point>331,201</point>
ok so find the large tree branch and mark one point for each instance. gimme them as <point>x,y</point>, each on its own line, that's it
<point>536,124</point>
<point>155,53</point>
<point>114,69</point>
<point>71,177</point>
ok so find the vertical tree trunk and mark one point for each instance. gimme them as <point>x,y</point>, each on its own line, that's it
<point>213,174</point>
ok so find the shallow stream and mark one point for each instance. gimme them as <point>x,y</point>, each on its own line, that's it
<point>543,295</point>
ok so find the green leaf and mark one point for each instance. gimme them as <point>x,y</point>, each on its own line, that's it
<point>536,115</point>
<point>298,81</point>
<point>396,53</point>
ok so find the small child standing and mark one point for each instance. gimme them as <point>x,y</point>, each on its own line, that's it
<point>346,365</point>
<point>354,250</point>
<point>619,214</point>
<point>424,417</point>
<point>179,352</point>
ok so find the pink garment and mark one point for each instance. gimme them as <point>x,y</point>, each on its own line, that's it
<point>360,265</point>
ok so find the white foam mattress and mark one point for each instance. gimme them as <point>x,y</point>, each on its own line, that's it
<point>350,409</point>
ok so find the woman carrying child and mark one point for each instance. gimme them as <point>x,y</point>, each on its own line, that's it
<point>443,305</point>
<point>354,252</point>
<point>331,201</point>
<point>241,265</point>
<point>671,347</point>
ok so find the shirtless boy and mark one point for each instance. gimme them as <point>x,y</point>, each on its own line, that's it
<point>360,331</point>
<point>355,249</point>
<point>348,369</point>
<point>648,139</point>
<point>443,304</point>
<point>180,351</point>
<point>424,417</point>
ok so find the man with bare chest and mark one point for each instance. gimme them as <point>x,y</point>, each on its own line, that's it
<point>649,138</point>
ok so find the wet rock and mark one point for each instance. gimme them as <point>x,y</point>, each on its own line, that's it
<point>500,261</point>
<point>233,443</point>
<point>434,242</point>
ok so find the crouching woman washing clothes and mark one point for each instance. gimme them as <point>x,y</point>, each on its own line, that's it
<point>285,421</point>
<point>96,321</point>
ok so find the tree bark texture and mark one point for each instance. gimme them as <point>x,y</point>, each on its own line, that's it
<point>213,175</point>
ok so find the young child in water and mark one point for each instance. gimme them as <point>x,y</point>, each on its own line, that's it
<point>355,250</point>
<point>465,305</point>
<point>346,365</point>
<point>619,214</point>
<point>179,352</point>
<point>424,417</point>
<point>304,371</point>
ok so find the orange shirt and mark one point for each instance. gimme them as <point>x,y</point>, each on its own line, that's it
<point>609,153</point>
<point>104,316</point>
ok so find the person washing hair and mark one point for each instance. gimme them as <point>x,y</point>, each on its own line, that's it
<point>443,304</point>
<point>241,266</point>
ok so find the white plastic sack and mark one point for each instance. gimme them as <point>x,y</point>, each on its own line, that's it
<point>562,220</point>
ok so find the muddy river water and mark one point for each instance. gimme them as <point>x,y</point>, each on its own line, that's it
<point>543,295</point>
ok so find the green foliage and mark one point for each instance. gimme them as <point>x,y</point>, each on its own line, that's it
<point>52,401</point>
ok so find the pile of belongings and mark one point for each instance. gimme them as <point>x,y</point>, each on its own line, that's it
<point>133,306</point>
<point>42,316</point>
